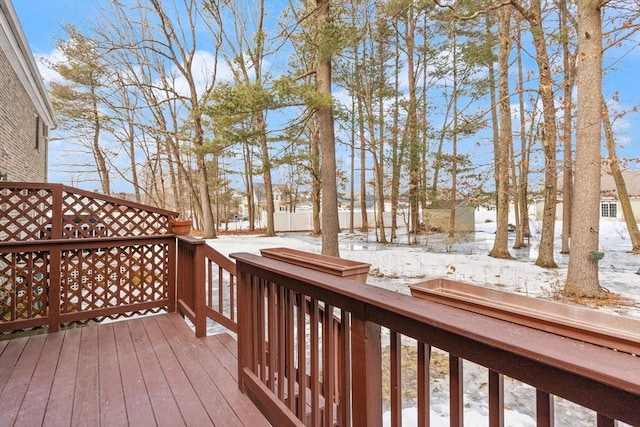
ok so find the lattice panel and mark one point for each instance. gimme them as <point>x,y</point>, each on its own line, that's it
<point>92,217</point>
<point>28,213</point>
<point>24,285</point>
<point>94,279</point>
<point>25,214</point>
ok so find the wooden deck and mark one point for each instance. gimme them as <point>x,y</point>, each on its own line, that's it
<point>147,371</point>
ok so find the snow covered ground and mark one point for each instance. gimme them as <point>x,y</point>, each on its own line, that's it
<point>395,266</point>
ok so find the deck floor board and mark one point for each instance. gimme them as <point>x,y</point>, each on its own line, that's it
<point>39,388</point>
<point>143,372</point>
<point>113,410</point>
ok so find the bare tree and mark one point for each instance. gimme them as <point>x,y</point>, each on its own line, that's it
<point>500,249</point>
<point>179,47</point>
<point>549,136</point>
<point>568,60</point>
<point>616,172</point>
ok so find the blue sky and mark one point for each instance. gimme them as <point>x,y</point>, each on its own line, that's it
<point>42,21</point>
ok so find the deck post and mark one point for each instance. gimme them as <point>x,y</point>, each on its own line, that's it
<point>172,288</point>
<point>199,283</point>
<point>55,260</point>
<point>53,300</point>
<point>366,360</point>
<point>56,211</point>
<point>245,304</point>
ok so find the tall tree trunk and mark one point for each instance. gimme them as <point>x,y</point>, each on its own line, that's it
<point>549,136</point>
<point>98,155</point>
<point>500,249</point>
<point>379,191</point>
<point>330,222</point>
<point>412,126</point>
<point>518,180</point>
<point>363,148</point>
<point>495,127</point>
<point>621,186</point>
<point>208,220</point>
<point>379,161</point>
<point>582,274</point>
<point>396,157</point>
<point>352,169</point>
<point>454,139</point>
<point>316,179</point>
<point>266,172</point>
<point>257,54</point>
<point>526,144</point>
<point>247,156</point>
<point>567,152</point>
<point>424,128</point>
<point>181,53</point>
<point>132,160</point>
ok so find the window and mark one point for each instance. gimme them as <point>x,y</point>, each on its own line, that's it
<point>609,210</point>
<point>37,140</point>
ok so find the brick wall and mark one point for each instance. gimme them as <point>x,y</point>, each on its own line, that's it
<point>20,160</point>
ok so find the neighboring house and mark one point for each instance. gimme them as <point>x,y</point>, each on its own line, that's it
<point>610,208</point>
<point>26,113</point>
<point>280,204</point>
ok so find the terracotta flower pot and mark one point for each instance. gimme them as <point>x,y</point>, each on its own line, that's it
<point>181,227</point>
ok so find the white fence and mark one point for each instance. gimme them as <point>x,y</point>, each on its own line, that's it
<point>303,220</point>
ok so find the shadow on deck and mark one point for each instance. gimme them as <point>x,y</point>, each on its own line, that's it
<point>146,371</point>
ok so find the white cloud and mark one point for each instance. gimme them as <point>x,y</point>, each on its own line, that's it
<point>44,62</point>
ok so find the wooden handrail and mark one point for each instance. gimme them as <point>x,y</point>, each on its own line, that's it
<point>552,364</point>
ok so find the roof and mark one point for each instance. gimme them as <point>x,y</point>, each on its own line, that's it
<point>631,180</point>
<point>14,44</point>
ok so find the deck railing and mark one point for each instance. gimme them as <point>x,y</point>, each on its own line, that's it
<point>69,255</point>
<point>310,344</point>
<point>206,285</point>
<point>293,367</point>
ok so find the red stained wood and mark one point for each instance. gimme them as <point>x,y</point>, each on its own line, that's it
<point>112,407</point>
<point>11,397</point>
<point>37,393</point>
<point>150,371</point>
<point>10,355</point>
<point>86,400</point>
<point>163,404</point>
<point>60,405</point>
<point>136,397</point>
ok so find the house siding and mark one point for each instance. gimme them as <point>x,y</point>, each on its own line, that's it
<point>20,160</point>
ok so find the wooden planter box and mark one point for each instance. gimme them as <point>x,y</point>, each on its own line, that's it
<point>584,324</point>
<point>348,269</point>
